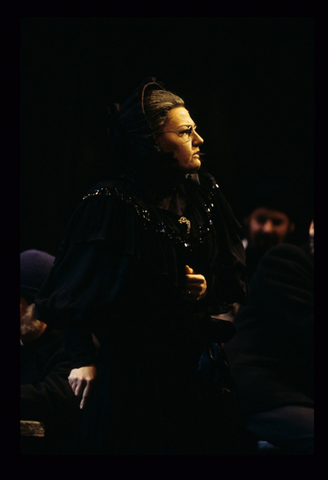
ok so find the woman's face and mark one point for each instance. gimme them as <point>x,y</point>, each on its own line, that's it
<point>179,136</point>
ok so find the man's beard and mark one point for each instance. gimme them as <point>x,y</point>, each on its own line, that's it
<point>266,241</point>
<point>29,324</point>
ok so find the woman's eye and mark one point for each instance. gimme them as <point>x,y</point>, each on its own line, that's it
<point>187,131</point>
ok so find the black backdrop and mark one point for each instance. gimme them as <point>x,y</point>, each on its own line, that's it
<point>248,83</point>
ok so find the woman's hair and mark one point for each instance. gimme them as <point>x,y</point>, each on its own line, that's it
<point>156,105</point>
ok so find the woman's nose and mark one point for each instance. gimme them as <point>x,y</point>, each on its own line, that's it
<point>197,139</point>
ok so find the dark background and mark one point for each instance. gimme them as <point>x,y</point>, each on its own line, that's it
<point>248,83</point>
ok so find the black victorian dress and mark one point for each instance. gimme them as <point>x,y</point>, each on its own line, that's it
<point>119,278</point>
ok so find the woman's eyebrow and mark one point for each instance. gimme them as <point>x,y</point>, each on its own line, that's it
<point>187,125</point>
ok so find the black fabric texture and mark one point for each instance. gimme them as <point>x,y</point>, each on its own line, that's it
<point>272,353</point>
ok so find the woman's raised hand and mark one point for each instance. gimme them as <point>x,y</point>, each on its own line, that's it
<point>83,381</point>
<point>196,285</point>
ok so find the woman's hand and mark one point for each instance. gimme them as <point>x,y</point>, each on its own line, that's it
<point>196,285</point>
<point>82,381</point>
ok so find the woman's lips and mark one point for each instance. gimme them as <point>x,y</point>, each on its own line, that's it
<point>198,154</point>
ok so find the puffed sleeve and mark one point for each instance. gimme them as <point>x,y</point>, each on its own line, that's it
<point>99,245</point>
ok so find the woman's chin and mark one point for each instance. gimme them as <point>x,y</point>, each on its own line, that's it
<point>194,166</point>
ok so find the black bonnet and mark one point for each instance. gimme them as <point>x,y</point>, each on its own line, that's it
<point>129,131</point>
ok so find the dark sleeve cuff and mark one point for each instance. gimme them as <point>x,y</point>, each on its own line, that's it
<point>79,346</point>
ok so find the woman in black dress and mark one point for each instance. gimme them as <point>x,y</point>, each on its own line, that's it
<point>145,260</point>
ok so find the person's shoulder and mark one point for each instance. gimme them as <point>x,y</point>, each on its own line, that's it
<point>285,259</point>
<point>101,210</point>
<point>287,251</point>
<point>113,187</point>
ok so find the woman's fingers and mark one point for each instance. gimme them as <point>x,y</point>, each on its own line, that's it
<point>82,381</point>
<point>76,385</point>
<point>188,269</point>
<point>195,291</point>
<point>79,387</point>
<point>85,395</point>
<point>196,285</point>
